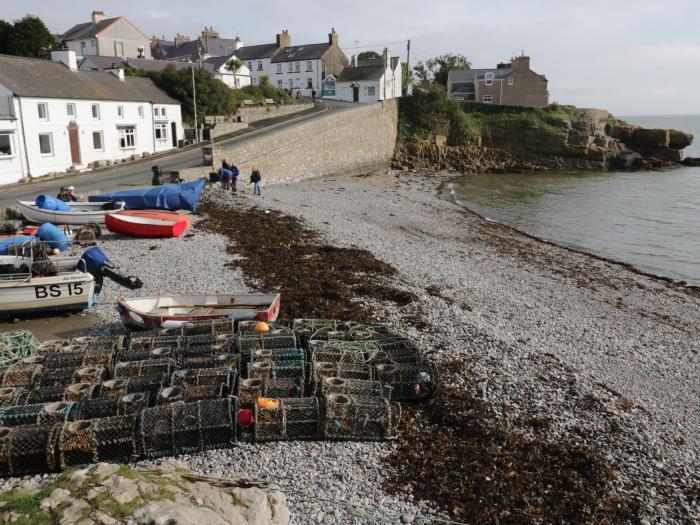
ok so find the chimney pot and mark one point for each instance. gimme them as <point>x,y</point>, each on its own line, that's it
<point>97,16</point>
<point>65,57</point>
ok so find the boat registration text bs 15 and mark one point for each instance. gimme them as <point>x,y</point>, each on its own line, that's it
<point>59,290</point>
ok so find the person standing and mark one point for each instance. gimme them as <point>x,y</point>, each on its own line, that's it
<point>313,96</point>
<point>72,197</point>
<point>255,180</point>
<point>225,175</point>
<point>235,172</point>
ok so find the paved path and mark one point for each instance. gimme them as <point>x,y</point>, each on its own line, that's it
<point>138,173</point>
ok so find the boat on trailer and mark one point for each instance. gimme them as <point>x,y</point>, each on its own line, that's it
<point>169,312</point>
<point>80,212</point>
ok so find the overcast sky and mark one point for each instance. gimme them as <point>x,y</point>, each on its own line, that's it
<point>629,56</point>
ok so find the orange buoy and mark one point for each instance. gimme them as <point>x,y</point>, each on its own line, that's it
<point>267,404</point>
<point>261,327</point>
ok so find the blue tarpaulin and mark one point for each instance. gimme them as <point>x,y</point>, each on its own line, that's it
<point>167,197</point>
<point>8,241</point>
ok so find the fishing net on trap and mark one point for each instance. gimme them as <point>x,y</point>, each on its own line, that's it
<point>279,355</point>
<point>287,419</point>
<point>22,372</point>
<point>178,428</point>
<point>409,382</point>
<point>355,387</point>
<point>95,408</point>
<point>137,343</point>
<point>143,354</point>
<point>360,418</point>
<point>286,387</point>
<point>338,351</point>
<point>79,391</point>
<point>249,342</point>
<point>53,377</point>
<point>306,328</point>
<point>14,416</point>
<point>15,346</point>
<point>111,439</point>
<point>229,361</point>
<point>10,396</point>
<point>320,370</point>
<point>28,449</point>
<point>79,359</point>
<point>204,376</point>
<point>148,367</point>
<point>194,345</point>
<point>130,385</point>
<point>46,394</point>
<point>277,369</point>
<point>212,327</point>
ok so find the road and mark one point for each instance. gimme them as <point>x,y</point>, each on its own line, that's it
<point>138,173</point>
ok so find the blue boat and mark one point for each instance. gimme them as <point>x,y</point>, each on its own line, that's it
<point>166,197</point>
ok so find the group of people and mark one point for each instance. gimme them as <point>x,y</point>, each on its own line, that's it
<point>67,194</point>
<point>228,176</point>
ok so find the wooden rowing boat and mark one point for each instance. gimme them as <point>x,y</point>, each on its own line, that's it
<point>151,313</point>
<point>80,213</point>
<point>147,223</point>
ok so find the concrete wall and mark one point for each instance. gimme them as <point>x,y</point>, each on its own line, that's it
<point>352,140</point>
<point>254,114</point>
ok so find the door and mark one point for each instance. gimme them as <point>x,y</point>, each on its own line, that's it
<point>173,133</point>
<point>356,93</point>
<point>74,147</point>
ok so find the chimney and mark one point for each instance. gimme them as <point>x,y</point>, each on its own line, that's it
<point>237,43</point>
<point>117,72</point>
<point>181,39</point>
<point>522,63</point>
<point>283,39</point>
<point>502,65</point>
<point>333,38</point>
<point>387,57</point>
<point>97,16</point>
<point>65,57</point>
<point>208,32</point>
<point>353,61</point>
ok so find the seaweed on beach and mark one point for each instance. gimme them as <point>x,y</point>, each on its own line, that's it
<point>278,252</point>
<point>459,456</point>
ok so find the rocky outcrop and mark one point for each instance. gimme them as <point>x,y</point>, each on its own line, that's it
<point>110,494</point>
<point>590,142</point>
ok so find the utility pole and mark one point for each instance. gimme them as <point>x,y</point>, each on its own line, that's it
<point>194,99</point>
<point>408,67</point>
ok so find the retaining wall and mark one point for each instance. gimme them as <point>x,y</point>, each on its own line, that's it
<point>253,114</point>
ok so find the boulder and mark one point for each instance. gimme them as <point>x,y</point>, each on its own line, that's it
<point>625,160</point>
<point>135,156</point>
<point>691,161</point>
<point>654,138</point>
<point>679,139</point>
<point>100,163</point>
<point>662,154</point>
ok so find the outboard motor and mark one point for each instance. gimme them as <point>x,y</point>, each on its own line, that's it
<point>94,261</point>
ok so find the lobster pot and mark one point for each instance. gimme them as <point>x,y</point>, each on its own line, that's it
<point>179,428</point>
<point>321,370</point>
<point>279,354</point>
<point>276,370</point>
<point>110,439</point>
<point>90,374</point>
<point>200,392</point>
<point>409,382</point>
<point>46,394</point>
<point>358,418</point>
<point>203,376</point>
<point>23,373</point>
<point>213,327</point>
<point>249,341</point>
<point>132,403</point>
<point>14,416</point>
<point>149,367</point>
<point>170,394</point>
<point>27,449</point>
<point>306,328</point>
<point>227,361</point>
<point>12,395</point>
<point>194,345</point>
<point>54,377</point>
<point>367,332</point>
<point>355,387</point>
<point>286,387</point>
<point>56,412</point>
<point>151,343</point>
<point>142,354</point>
<point>345,352</point>
<point>130,385</point>
<point>79,392</point>
<point>105,344</point>
<point>287,419</point>
<point>78,359</point>
<point>95,408</point>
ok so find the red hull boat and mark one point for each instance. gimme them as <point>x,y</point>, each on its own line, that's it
<point>147,223</point>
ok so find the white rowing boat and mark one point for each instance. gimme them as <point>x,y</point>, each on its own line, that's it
<point>80,212</point>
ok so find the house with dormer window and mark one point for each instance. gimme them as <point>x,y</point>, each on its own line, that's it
<point>107,37</point>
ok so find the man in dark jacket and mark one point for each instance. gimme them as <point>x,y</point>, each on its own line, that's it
<point>235,172</point>
<point>255,179</point>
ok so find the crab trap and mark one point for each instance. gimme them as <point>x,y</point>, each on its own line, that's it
<point>28,449</point>
<point>178,428</point>
<point>409,382</point>
<point>203,377</point>
<point>12,395</point>
<point>81,358</point>
<point>320,370</point>
<point>148,367</point>
<point>130,385</point>
<point>144,354</point>
<point>355,387</point>
<point>79,391</point>
<point>22,373</point>
<point>285,387</point>
<point>306,328</point>
<point>277,369</point>
<point>278,355</point>
<point>46,394</point>
<point>111,439</point>
<point>250,341</point>
<point>287,419</point>
<point>56,412</point>
<point>228,361</point>
<point>154,341</point>
<point>53,377</point>
<point>360,418</point>
<point>212,327</point>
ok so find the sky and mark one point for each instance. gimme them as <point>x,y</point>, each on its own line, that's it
<point>632,57</point>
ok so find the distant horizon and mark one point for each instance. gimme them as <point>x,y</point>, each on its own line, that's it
<point>632,61</point>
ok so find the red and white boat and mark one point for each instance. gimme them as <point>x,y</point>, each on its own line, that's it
<point>169,312</point>
<point>147,223</point>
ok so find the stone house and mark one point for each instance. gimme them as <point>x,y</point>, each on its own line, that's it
<point>110,37</point>
<point>512,84</point>
<point>55,117</point>
<point>366,80</point>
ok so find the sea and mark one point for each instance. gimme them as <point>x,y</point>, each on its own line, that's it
<point>650,220</point>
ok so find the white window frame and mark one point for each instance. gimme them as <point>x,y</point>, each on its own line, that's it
<point>164,112</point>
<point>488,79</point>
<point>373,92</point>
<point>120,111</point>
<point>309,66</point>
<point>140,111</point>
<point>250,65</point>
<point>102,141</point>
<point>279,83</point>
<point>279,68</point>
<point>128,136</point>
<point>510,81</point>
<point>297,67</point>
<point>156,111</point>
<point>487,99</point>
<point>45,107</point>
<point>50,153</point>
<point>95,111</point>
<point>161,127</point>
<point>290,67</point>
<point>309,83</point>
<point>11,141</point>
<point>260,65</point>
<point>70,109</point>
<point>117,45</point>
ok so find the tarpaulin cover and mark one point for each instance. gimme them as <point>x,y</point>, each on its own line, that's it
<point>167,197</point>
<point>8,241</point>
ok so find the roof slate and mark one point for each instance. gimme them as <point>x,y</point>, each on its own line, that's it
<point>32,77</point>
<point>256,52</point>
<point>351,74</point>
<point>296,53</point>
<point>147,64</point>
<point>469,75</point>
<point>87,30</point>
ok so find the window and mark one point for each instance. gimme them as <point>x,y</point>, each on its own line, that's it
<point>488,99</point>
<point>43,110</point>
<point>259,65</point>
<point>297,67</point>
<point>156,111</point>
<point>250,66</point>
<point>127,138</point>
<point>488,79</point>
<point>369,91</point>
<point>510,81</point>
<point>290,67</point>
<point>140,111</point>
<point>120,111</point>
<point>309,66</point>
<point>279,83</point>
<point>459,97</point>
<point>82,47</point>
<point>96,111</point>
<point>70,110</point>
<point>161,132</point>
<point>119,49</point>
<point>279,69</point>
<point>97,143</point>
<point>45,144</point>
<point>309,83</point>
<point>6,145</point>
<point>163,112</point>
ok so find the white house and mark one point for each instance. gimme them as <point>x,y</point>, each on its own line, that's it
<point>54,117</point>
<point>368,81</point>
<point>233,79</point>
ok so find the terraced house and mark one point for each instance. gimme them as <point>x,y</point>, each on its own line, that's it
<point>511,84</point>
<point>108,37</point>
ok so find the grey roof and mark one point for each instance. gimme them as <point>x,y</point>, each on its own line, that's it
<point>351,74</point>
<point>166,46</point>
<point>463,88</point>
<point>87,30</point>
<point>469,75</point>
<point>147,64</point>
<point>211,46</point>
<point>256,52</point>
<point>394,63</point>
<point>33,77</point>
<point>216,62</point>
<point>100,62</point>
<point>295,53</point>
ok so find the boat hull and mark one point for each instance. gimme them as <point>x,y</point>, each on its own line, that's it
<point>81,213</point>
<point>147,223</point>
<point>75,291</point>
<point>172,312</point>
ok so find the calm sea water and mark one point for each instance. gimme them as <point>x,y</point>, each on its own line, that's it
<point>648,219</point>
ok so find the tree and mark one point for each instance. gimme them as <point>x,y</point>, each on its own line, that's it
<point>407,76</point>
<point>5,35</point>
<point>368,55</point>
<point>234,65</point>
<point>435,70</point>
<point>30,38</point>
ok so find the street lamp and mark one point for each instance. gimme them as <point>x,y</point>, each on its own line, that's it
<point>194,99</point>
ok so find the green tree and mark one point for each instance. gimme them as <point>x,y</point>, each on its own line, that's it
<point>435,70</point>
<point>368,55</point>
<point>407,76</point>
<point>30,38</point>
<point>233,66</point>
<point>5,35</point>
